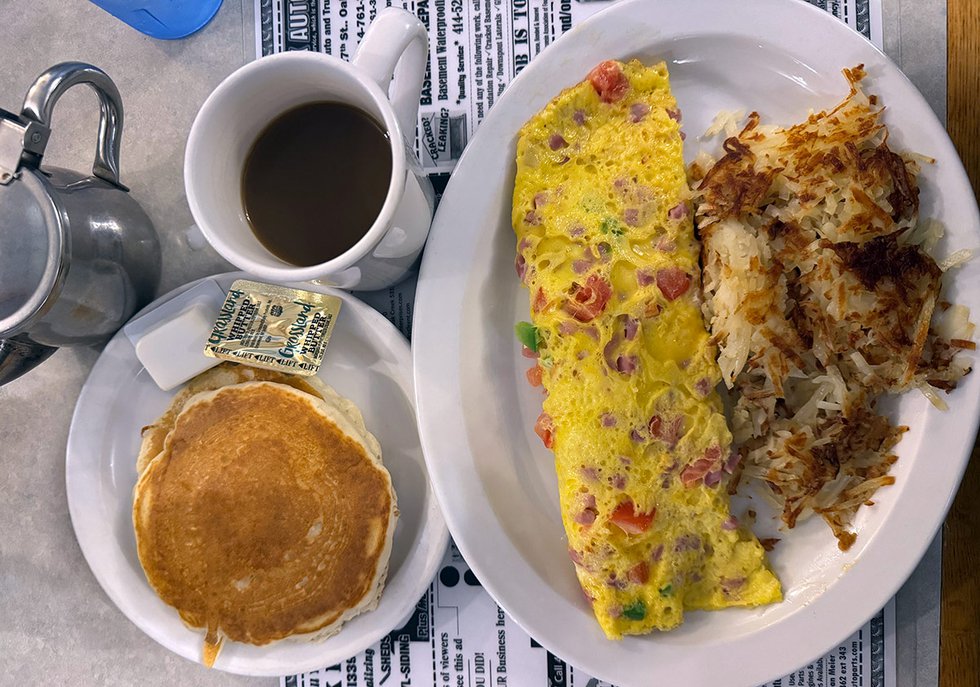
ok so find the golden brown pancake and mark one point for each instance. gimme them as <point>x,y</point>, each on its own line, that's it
<point>266,514</point>
<point>221,375</point>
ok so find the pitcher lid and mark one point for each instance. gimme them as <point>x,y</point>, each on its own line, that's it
<point>31,246</point>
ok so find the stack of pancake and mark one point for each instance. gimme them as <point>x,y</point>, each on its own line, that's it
<point>262,509</point>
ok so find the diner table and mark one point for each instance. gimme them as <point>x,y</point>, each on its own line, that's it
<point>57,626</point>
<point>959,664</point>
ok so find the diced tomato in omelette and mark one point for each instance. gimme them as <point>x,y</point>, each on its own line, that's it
<point>606,248</point>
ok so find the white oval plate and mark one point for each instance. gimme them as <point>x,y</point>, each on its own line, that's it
<point>369,362</point>
<point>492,476</point>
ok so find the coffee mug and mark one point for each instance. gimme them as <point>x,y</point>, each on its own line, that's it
<point>384,80</point>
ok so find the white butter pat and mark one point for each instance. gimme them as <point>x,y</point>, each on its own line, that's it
<point>172,352</point>
<point>169,340</point>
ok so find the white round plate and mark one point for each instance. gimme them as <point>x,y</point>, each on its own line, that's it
<point>369,362</point>
<point>492,476</point>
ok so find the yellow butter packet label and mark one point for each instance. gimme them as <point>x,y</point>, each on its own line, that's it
<point>273,327</point>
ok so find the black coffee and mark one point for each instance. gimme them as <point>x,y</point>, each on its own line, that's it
<point>315,180</point>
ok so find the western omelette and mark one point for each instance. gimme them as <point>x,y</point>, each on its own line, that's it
<point>606,248</point>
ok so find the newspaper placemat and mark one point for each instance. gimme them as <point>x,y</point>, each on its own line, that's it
<point>476,48</point>
<point>457,635</point>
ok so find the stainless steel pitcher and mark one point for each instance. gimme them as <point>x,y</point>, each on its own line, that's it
<point>78,255</point>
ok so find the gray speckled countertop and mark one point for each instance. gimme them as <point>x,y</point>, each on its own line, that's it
<point>57,626</point>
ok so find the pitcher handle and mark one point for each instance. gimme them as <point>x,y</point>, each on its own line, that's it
<point>51,85</point>
<point>394,53</point>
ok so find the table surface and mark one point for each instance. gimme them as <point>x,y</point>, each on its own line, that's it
<point>64,628</point>
<point>57,626</point>
<point>959,661</point>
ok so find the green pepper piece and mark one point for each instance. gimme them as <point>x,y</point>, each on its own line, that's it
<point>611,225</point>
<point>666,591</point>
<point>636,610</point>
<point>528,335</point>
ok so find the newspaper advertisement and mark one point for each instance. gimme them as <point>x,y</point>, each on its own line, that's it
<point>457,635</point>
<point>476,47</point>
<point>396,303</point>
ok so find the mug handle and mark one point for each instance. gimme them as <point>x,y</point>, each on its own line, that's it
<point>394,53</point>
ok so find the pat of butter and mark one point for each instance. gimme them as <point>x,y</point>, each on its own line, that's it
<point>171,352</point>
<point>169,340</point>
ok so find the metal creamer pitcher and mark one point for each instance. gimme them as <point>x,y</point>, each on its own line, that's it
<point>78,255</point>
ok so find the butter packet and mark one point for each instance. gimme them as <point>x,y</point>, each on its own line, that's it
<point>273,327</point>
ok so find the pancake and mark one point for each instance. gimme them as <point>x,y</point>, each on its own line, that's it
<point>266,514</point>
<point>227,374</point>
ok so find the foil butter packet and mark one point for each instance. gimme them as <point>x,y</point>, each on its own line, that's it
<point>273,327</point>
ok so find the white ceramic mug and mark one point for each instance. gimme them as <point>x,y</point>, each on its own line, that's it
<point>384,79</point>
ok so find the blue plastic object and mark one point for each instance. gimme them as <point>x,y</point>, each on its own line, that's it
<point>166,19</point>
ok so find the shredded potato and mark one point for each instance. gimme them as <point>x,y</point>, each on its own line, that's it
<point>821,296</point>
